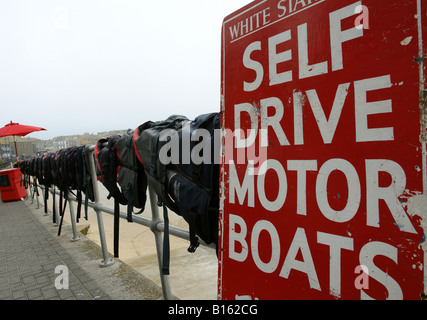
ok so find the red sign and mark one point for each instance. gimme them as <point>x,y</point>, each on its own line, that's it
<point>323,170</point>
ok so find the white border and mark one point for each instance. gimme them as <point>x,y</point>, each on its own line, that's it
<point>421,66</point>
<point>422,127</point>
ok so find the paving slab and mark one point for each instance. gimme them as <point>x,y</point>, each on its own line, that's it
<point>36,264</point>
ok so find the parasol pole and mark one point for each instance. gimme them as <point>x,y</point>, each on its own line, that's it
<point>16,148</point>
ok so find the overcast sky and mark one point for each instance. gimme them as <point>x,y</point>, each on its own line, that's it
<point>95,65</point>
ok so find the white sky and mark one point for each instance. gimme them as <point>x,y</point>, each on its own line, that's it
<point>75,66</point>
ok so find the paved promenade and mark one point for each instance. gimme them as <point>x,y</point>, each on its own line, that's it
<point>33,259</point>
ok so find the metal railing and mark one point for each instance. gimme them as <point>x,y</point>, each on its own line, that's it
<point>156,224</point>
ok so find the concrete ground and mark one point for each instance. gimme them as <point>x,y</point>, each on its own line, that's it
<point>192,276</point>
<point>32,255</point>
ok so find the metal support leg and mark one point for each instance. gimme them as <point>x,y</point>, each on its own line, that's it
<point>56,204</point>
<point>37,196</point>
<point>44,196</point>
<point>106,261</point>
<point>76,236</point>
<point>31,186</point>
<point>164,279</point>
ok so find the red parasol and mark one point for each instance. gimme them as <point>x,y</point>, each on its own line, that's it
<point>16,129</point>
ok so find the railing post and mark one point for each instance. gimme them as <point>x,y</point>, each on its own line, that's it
<point>164,279</point>
<point>56,209</point>
<point>44,190</point>
<point>106,261</point>
<point>76,236</point>
<point>31,190</point>
<point>37,193</point>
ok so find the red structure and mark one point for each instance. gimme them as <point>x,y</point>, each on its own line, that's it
<point>324,171</point>
<point>11,187</point>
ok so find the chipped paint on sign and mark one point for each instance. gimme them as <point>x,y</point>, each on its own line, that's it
<point>406,41</point>
<point>417,207</point>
